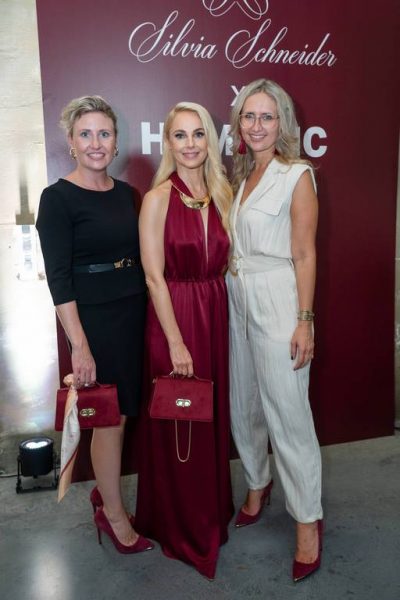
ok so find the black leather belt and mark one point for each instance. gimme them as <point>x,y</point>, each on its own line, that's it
<point>102,267</point>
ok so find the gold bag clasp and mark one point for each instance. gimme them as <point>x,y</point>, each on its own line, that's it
<point>87,412</point>
<point>183,402</point>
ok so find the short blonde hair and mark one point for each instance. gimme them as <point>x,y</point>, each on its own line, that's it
<point>80,106</point>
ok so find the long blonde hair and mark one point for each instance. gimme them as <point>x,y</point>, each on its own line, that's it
<point>214,171</point>
<point>288,142</point>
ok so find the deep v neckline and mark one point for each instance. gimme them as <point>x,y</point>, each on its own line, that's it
<point>180,185</point>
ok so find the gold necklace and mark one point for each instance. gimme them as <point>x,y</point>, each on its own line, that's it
<point>196,203</point>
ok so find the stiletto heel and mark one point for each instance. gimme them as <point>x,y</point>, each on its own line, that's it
<point>244,519</point>
<point>303,570</point>
<point>102,523</point>
<point>99,535</point>
<point>97,502</point>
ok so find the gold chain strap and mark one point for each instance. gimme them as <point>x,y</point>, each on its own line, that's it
<point>183,460</point>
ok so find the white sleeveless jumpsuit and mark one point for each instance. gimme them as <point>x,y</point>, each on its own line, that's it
<point>269,400</point>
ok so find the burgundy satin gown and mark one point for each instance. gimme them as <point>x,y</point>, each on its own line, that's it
<point>186,507</point>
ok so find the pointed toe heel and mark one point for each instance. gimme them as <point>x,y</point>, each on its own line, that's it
<point>142,544</point>
<point>303,570</point>
<point>244,519</point>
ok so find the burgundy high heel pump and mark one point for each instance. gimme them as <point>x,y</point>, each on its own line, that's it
<point>244,519</point>
<point>303,570</point>
<point>142,544</point>
<point>96,499</point>
<point>97,502</point>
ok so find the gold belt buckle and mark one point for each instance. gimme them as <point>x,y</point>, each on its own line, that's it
<point>231,270</point>
<point>124,262</point>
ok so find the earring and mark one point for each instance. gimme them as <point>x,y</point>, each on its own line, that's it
<point>242,149</point>
<point>116,151</point>
<point>72,153</point>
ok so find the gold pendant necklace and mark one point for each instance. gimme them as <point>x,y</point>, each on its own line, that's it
<point>196,203</point>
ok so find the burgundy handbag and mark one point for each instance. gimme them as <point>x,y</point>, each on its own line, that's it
<point>97,406</point>
<point>182,399</point>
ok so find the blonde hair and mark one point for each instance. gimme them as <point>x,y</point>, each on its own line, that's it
<point>214,171</point>
<point>80,106</point>
<point>288,142</point>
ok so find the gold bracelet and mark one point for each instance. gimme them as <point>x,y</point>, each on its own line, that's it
<point>305,315</point>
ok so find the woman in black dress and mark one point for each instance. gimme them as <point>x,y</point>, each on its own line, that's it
<point>89,237</point>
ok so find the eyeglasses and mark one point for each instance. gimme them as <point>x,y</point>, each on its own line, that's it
<point>248,120</point>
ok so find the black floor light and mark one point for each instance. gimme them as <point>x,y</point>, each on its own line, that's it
<point>36,458</point>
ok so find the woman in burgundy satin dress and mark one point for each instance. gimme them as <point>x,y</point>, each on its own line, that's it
<point>187,506</point>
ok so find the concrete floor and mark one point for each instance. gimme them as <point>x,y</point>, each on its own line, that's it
<point>50,551</point>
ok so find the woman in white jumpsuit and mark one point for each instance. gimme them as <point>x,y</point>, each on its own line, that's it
<point>271,287</point>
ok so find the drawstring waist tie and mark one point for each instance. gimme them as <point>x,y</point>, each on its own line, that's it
<point>239,266</point>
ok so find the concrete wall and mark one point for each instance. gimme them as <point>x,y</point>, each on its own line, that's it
<point>22,151</point>
<point>28,348</point>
